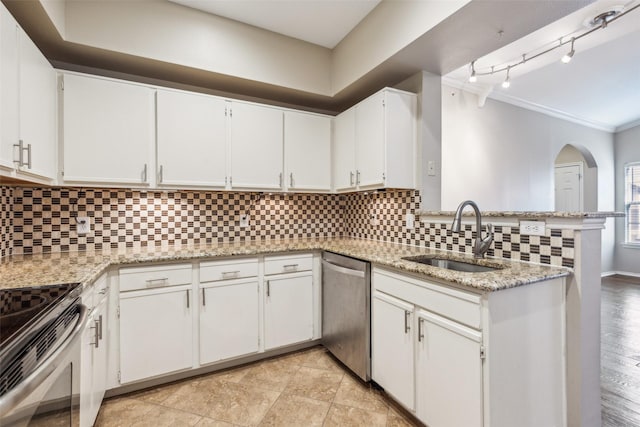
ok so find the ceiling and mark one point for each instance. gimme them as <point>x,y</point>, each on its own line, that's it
<point>599,88</point>
<point>473,31</point>
<point>321,22</point>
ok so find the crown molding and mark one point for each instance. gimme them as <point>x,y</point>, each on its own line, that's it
<point>519,102</point>
<point>628,126</point>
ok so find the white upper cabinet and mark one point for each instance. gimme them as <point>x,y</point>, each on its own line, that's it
<point>307,151</point>
<point>344,151</point>
<point>256,147</point>
<point>8,89</point>
<point>27,106</point>
<point>38,88</point>
<point>108,129</point>
<point>192,143</point>
<point>375,143</point>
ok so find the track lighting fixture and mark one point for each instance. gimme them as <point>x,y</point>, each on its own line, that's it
<point>506,83</point>
<point>473,78</point>
<point>599,22</point>
<point>567,57</point>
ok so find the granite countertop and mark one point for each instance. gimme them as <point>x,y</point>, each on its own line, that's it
<point>86,267</point>
<point>526,214</point>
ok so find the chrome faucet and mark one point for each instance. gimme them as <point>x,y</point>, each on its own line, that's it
<point>481,245</point>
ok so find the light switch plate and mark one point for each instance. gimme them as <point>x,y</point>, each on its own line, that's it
<point>431,168</point>
<point>83,225</point>
<point>244,220</point>
<point>410,221</point>
<point>532,228</point>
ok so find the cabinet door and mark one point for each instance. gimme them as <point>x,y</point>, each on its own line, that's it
<point>392,352</point>
<point>37,89</point>
<point>449,373</point>
<point>108,131</point>
<point>344,151</point>
<point>307,151</point>
<point>8,88</point>
<point>229,324</point>
<point>288,316</point>
<point>89,337</point>
<point>100,353</point>
<point>155,333</point>
<point>256,146</point>
<point>370,149</point>
<point>191,139</point>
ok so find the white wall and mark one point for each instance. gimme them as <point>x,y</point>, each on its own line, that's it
<point>627,149</point>
<point>172,33</point>
<point>502,157</point>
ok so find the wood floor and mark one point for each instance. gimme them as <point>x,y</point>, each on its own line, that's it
<point>620,351</point>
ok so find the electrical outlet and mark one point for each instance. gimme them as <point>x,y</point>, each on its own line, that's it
<point>431,168</point>
<point>244,220</point>
<point>373,219</point>
<point>83,225</point>
<point>410,221</point>
<point>532,228</point>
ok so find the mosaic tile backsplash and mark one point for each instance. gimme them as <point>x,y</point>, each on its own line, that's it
<point>6,224</point>
<point>43,220</point>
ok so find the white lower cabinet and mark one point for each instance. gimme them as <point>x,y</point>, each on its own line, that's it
<point>288,300</point>
<point>94,354</point>
<point>156,332</point>
<point>448,372</point>
<point>288,310</point>
<point>229,321</point>
<point>392,344</point>
<point>459,358</point>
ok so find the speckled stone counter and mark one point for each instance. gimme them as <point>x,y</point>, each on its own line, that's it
<point>526,214</point>
<point>85,267</point>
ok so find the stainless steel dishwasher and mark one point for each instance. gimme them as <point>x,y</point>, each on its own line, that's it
<point>346,311</point>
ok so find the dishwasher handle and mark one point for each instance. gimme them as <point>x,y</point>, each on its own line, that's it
<point>343,270</point>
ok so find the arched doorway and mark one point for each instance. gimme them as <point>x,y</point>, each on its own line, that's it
<point>576,180</point>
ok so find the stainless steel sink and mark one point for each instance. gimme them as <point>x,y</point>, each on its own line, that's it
<point>450,264</point>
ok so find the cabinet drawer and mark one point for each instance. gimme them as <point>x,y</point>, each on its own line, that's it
<point>288,264</point>
<point>154,277</point>
<point>461,306</point>
<point>212,271</point>
<point>100,289</point>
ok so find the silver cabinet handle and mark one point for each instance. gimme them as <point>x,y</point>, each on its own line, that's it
<point>144,173</point>
<point>280,179</point>
<point>96,331</point>
<point>357,177</point>
<point>100,327</point>
<point>187,298</point>
<point>406,321</point>
<point>204,301</point>
<point>420,331</point>
<point>351,178</point>
<point>102,291</point>
<point>268,288</point>
<point>290,267</point>
<point>29,156</point>
<point>291,179</point>
<point>20,161</point>
<point>230,273</point>
<point>21,149</point>
<point>154,283</point>
<point>161,174</point>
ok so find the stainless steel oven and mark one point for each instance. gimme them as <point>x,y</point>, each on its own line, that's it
<point>40,336</point>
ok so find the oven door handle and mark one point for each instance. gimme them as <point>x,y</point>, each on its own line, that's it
<point>13,398</point>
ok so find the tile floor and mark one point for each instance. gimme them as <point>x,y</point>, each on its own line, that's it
<point>307,388</point>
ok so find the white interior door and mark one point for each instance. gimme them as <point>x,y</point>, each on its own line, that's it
<point>568,187</point>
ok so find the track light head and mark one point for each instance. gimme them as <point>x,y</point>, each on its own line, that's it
<point>473,78</point>
<point>507,82</point>
<point>567,57</point>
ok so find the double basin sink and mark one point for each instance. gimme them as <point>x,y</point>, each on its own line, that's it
<point>449,264</point>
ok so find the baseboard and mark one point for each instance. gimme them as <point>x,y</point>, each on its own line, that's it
<point>621,273</point>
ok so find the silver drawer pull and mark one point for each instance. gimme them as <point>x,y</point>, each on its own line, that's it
<point>406,321</point>
<point>154,283</point>
<point>268,288</point>
<point>204,301</point>
<point>290,266</point>
<point>100,325</point>
<point>420,331</point>
<point>226,274</point>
